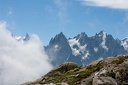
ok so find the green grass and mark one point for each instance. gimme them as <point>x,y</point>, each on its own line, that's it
<point>59,78</point>
<point>84,74</point>
<point>70,77</point>
<point>116,61</point>
<point>111,74</point>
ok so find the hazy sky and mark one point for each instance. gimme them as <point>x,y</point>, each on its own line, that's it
<point>46,18</point>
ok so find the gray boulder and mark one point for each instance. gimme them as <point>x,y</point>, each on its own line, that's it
<point>104,81</point>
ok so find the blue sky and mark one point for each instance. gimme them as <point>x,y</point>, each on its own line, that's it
<point>46,18</point>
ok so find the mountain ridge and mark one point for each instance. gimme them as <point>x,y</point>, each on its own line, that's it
<point>83,49</point>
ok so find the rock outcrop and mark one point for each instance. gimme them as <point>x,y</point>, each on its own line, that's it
<point>61,69</point>
<point>110,71</point>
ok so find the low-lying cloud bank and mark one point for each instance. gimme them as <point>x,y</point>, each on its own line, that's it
<point>21,61</point>
<point>116,4</point>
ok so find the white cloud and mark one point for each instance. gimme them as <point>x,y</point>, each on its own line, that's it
<point>62,8</point>
<point>116,4</point>
<point>10,18</point>
<point>21,62</point>
<point>62,12</point>
<point>10,12</point>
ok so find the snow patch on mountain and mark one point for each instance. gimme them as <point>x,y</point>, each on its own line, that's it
<point>87,54</point>
<point>96,49</point>
<point>104,41</point>
<point>76,51</point>
<point>56,47</point>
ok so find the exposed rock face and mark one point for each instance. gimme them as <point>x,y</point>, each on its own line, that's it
<point>83,49</point>
<point>110,71</point>
<point>58,49</point>
<point>104,81</point>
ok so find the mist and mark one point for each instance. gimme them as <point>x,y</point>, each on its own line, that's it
<point>21,62</point>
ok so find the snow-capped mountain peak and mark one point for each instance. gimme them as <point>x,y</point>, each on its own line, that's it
<point>83,49</point>
<point>102,34</point>
<point>21,38</point>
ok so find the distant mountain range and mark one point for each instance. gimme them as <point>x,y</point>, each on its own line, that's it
<point>83,49</point>
<point>20,38</point>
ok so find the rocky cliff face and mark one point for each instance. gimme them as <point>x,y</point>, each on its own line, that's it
<point>58,49</point>
<point>110,71</point>
<point>83,49</point>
